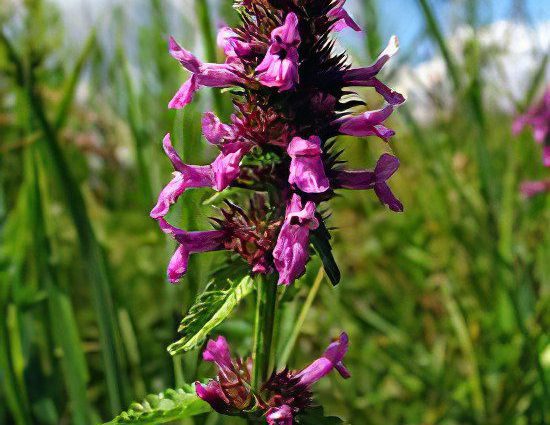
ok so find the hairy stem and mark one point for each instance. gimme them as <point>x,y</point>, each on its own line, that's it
<point>266,289</point>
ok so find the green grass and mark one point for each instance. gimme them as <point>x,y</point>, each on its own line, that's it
<point>446,305</point>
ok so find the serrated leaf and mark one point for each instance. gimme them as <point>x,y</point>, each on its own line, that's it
<point>320,239</point>
<point>316,416</point>
<point>168,406</point>
<point>211,308</point>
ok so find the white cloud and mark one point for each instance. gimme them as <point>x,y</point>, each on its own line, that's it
<point>510,55</point>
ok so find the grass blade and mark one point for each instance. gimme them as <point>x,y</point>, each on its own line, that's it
<point>437,34</point>
<point>74,78</point>
<point>61,314</point>
<point>92,254</point>
<point>283,360</point>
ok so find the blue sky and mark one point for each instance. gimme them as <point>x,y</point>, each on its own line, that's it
<point>404,18</point>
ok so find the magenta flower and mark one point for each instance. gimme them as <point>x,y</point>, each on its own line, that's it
<point>306,168</point>
<point>343,19</point>
<point>217,175</point>
<point>204,74</point>
<point>279,67</point>
<point>368,123</point>
<point>231,392</point>
<point>281,398</point>
<point>281,415</point>
<point>189,243</point>
<point>233,47</point>
<point>375,179</point>
<point>533,188</point>
<point>214,130</point>
<point>331,359</point>
<point>292,250</point>
<point>538,118</point>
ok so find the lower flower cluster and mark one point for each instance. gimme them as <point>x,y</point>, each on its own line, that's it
<point>283,396</point>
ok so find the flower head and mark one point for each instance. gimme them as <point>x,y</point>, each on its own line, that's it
<point>289,105</point>
<point>284,395</point>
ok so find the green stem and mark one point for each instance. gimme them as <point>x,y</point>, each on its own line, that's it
<point>266,289</point>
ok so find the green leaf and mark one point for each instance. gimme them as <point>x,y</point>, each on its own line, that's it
<point>211,308</point>
<point>316,416</point>
<point>168,406</point>
<point>320,238</point>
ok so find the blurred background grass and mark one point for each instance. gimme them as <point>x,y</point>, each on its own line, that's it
<point>447,305</point>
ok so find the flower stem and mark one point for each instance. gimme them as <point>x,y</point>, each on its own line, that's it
<point>266,289</point>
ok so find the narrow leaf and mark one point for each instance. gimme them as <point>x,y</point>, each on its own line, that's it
<point>320,239</point>
<point>211,308</point>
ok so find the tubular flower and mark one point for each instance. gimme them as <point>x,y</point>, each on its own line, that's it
<point>291,252</point>
<point>189,243</point>
<point>343,20</point>
<point>217,175</point>
<point>204,74</point>
<point>281,398</point>
<point>375,179</point>
<point>280,65</point>
<point>279,144</point>
<point>306,166</point>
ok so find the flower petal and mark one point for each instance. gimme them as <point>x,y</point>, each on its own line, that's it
<point>213,394</point>
<point>331,359</point>
<point>184,95</point>
<point>387,197</point>
<point>280,415</point>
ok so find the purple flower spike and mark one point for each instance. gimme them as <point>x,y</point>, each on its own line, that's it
<point>279,67</point>
<point>343,19</point>
<point>204,74</point>
<point>281,415</point>
<point>291,252</point>
<point>190,243</point>
<point>306,168</point>
<point>375,179</point>
<point>331,359</point>
<point>366,124</point>
<point>213,394</point>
